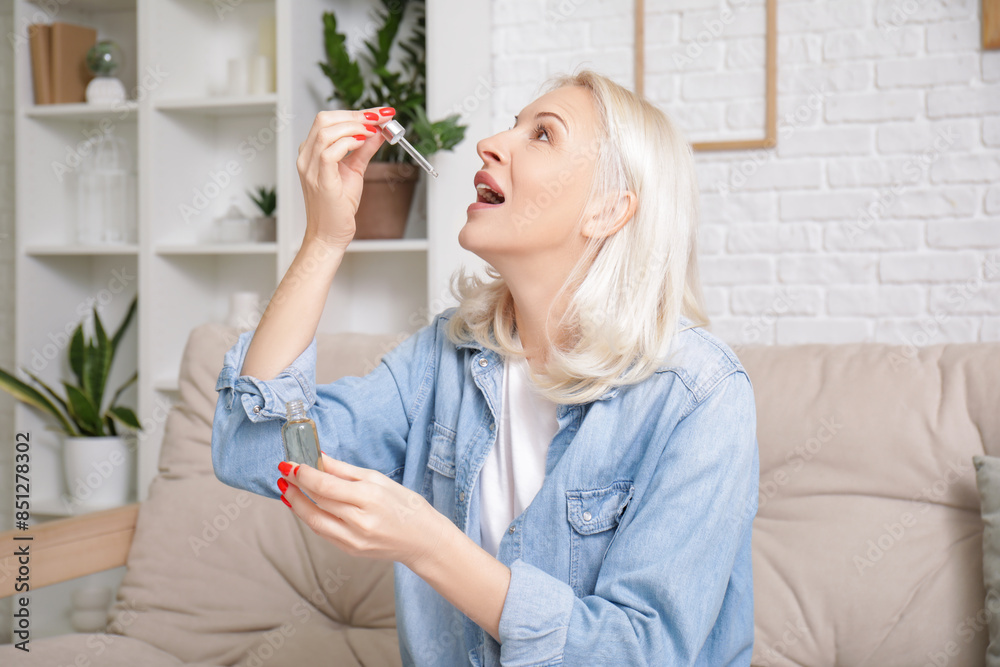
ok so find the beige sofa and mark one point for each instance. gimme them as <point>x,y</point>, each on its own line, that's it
<point>867,544</point>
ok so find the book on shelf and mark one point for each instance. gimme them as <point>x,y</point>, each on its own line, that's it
<point>58,61</point>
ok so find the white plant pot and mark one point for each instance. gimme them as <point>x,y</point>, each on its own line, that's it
<point>98,472</point>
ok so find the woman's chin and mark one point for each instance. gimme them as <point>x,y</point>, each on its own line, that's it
<point>471,238</point>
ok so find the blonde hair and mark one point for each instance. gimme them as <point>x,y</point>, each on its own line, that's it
<point>625,295</point>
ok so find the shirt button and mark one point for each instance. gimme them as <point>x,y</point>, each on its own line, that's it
<point>586,516</point>
<point>461,496</point>
<point>511,529</point>
<point>256,408</point>
<point>493,426</point>
<point>483,362</point>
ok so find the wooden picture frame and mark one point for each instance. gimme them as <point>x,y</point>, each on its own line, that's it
<point>991,24</point>
<point>770,84</point>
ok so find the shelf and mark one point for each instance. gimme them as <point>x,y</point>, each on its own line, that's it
<point>388,245</point>
<point>166,384</point>
<point>77,250</point>
<point>221,105</point>
<point>94,5</point>
<point>82,110</point>
<point>57,507</point>
<point>217,249</point>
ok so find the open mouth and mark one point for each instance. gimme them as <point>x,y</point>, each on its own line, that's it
<point>486,195</point>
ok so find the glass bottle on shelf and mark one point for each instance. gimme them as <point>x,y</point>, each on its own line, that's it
<point>234,226</point>
<point>106,193</point>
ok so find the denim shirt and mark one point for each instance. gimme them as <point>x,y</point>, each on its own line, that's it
<point>635,550</point>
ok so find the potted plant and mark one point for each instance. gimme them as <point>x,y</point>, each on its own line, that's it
<point>97,460</point>
<point>391,175</point>
<point>266,225</point>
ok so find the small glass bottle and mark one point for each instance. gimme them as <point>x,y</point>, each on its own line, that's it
<point>300,437</point>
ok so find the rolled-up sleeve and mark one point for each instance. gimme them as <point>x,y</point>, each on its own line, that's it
<point>663,583</point>
<point>362,420</point>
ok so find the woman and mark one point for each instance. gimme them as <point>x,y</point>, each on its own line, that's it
<point>563,467</point>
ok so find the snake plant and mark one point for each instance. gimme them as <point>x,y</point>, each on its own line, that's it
<point>80,414</point>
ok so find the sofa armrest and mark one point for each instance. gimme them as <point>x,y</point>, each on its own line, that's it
<point>68,548</point>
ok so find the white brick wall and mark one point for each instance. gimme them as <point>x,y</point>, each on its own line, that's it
<point>876,217</point>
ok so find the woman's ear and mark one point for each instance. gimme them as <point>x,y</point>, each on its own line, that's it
<point>607,223</point>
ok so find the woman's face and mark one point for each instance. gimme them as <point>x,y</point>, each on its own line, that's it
<point>544,165</point>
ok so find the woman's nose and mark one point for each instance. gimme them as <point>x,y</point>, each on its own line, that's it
<point>489,149</point>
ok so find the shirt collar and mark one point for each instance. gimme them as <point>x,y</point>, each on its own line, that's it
<point>611,393</point>
<point>496,358</point>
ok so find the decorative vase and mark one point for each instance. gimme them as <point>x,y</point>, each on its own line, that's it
<point>98,471</point>
<point>102,60</point>
<point>266,228</point>
<point>244,310</point>
<point>105,90</point>
<point>385,200</point>
<point>234,226</point>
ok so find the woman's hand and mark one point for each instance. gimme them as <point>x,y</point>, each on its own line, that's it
<point>331,183</point>
<point>363,512</point>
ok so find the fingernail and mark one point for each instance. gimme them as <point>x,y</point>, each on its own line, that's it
<point>295,471</point>
<point>285,500</point>
<point>284,467</point>
<point>360,137</point>
<point>371,128</point>
<point>387,111</point>
<point>371,115</point>
<point>282,484</point>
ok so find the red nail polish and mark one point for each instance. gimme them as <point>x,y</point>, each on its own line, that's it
<point>284,467</point>
<point>387,111</point>
<point>371,128</point>
<point>295,471</point>
<point>360,137</point>
<point>282,484</point>
<point>285,500</point>
<point>371,115</point>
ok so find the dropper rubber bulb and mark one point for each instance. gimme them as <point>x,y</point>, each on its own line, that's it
<point>394,132</point>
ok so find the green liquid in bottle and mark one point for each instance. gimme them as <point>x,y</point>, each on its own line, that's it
<point>300,437</point>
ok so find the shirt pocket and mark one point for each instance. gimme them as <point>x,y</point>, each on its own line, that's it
<point>593,516</point>
<point>439,478</point>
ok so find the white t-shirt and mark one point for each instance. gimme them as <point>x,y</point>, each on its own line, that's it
<point>515,467</point>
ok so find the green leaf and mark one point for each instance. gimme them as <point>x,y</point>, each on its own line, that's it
<point>49,390</point>
<point>117,338</point>
<point>76,353</point>
<point>125,416</point>
<point>88,363</point>
<point>343,72</point>
<point>83,411</point>
<point>31,396</point>
<point>391,18</point>
<point>266,199</point>
<point>114,399</point>
<point>101,363</point>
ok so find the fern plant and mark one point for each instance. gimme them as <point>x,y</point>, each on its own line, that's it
<point>79,414</point>
<point>377,86</point>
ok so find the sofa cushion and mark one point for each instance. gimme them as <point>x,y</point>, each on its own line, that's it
<point>221,575</point>
<point>106,650</point>
<point>988,482</point>
<point>867,541</point>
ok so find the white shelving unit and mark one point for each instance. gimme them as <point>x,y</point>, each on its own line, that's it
<point>182,134</point>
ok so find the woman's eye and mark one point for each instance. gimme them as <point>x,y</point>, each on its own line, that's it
<point>542,129</point>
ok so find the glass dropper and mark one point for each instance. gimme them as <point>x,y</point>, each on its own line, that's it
<point>394,132</point>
